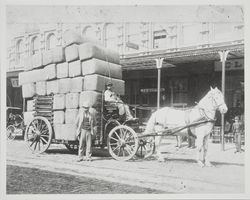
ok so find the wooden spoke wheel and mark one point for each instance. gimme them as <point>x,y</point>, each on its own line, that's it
<point>11,132</point>
<point>72,147</point>
<point>38,134</point>
<point>122,143</point>
<point>146,147</point>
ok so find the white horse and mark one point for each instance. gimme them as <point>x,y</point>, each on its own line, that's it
<point>205,110</point>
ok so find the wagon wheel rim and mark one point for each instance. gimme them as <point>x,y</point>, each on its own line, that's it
<point>38,135</point>
<point>122,143</point>
<point>10,131</point>
<point>72,147</point>
<point>146,147</point>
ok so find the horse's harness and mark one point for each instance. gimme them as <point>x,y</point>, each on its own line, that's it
<point>203,120</point>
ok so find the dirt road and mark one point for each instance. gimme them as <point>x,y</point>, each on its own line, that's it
<point>179,174</point>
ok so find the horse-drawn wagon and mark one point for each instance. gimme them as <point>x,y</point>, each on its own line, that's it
<point>119,135</point>
<point>78,73</point>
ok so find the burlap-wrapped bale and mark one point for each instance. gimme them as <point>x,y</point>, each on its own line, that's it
<point>70,116</point>
<point>72,100</point>
<point>58,55</point>
<point>59,86</point>
<point>30,105</point>
<point>50,71</point>
<point>89,50</point>
<point>23,78</point>
<point>76,84</point>
<point>28,63</point>
<point>37,60</point>
<point>28,117</point>
<point>59,102</point>
<point>96,66</point>
<point>52,87</point>
<point>47,57</point>
<point>62,70</point>
<point>71,37</point>
<point>98,82</point>
<point>65,132</point>
<point>75,68</point>
<point>28,90</point>
<point>92,98</point>
<point>71,53</point>
<point>59,117</point>
<point>41,88</point>
<point>64,85</point>
<point>31,76</point>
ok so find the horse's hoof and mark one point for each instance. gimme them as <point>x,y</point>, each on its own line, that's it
<point>161,160</point>
<point>208,164</point>
<point>201,164</point>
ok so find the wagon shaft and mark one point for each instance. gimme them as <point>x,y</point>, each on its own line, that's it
<point>172,131</point>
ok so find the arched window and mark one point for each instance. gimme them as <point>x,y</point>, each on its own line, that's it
<point>89,32</point>
<point>34,48</point>
<point>111,36</point>
<point>19,51</point>
<point>51,41</point>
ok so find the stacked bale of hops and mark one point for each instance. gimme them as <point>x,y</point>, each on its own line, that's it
<point>73,74</point>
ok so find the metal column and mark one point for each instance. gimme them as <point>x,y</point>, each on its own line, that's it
<point>159,66</point>
<point>223,58</point>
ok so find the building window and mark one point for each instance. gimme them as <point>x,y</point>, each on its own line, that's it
<point>111,36</point>
<point>51,41</point>
<point>223,32</point>
<point>239,31</point>
<point>34,45</point>
<point>19,51</point>
<point>191,34</point>
<point>133,40</point>
<point>159,40</point>
<point>205,33</point>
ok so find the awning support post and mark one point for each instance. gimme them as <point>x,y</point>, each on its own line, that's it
<point>159,62</point>
<point>223,59</point>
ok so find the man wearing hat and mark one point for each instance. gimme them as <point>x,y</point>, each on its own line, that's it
<point>85,129</point>
<point>237,130</point>
<point>110,96</point>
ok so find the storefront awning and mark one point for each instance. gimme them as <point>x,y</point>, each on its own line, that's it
<point>139,61</point>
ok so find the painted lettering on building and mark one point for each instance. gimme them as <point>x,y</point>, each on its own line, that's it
<point>236,64</point>
<point>148,90</point>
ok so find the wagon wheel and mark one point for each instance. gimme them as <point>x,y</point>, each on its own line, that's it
<point>146,147</point>
<point>11,132</point>
<point>122,143</point>
<point>38,134</point>
<point>72,147</point>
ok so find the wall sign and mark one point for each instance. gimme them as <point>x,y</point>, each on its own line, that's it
<point>148,90</point>
<point>14,82</point>
<point>236,64</point>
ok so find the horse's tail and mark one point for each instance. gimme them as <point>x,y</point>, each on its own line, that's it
<point>150,124</point>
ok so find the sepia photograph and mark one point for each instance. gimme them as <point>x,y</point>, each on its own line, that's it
<point>124,101</point>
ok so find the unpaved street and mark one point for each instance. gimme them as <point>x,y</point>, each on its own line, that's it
<point>179,174</point>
